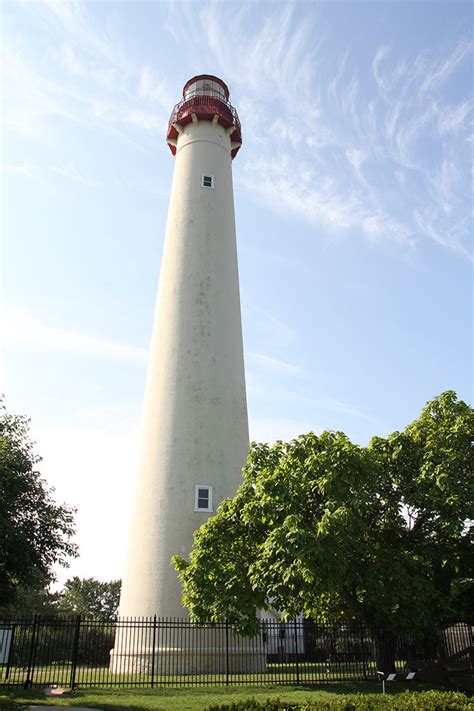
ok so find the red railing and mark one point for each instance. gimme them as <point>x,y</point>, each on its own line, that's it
<point>205,107</point>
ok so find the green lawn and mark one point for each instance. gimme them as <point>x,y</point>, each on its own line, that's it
<point>195,699</point>
<point>309,672</point>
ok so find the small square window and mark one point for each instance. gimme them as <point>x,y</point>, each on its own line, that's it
<point>203,498</point>
<point>207,181</point>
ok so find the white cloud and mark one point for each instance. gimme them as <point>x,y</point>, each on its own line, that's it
<point>28,170</point>
<point>440,71</point>
<point>378,135</point>
<point>428,222</point>
<point>70,172</point>
<point>271,429</point>
<point>380,55</point>
<point>89,85</point>
<point>72,61</point>
<point>106,61</point>
<point>356,158</point>
<point>273,362</point>
<point>21,326</point>
<point>452,118</point>
<point>270,326</point>
<point>314,117</point>
<point>144,119</point>
<point>155,91</point>
<point>447,180</point>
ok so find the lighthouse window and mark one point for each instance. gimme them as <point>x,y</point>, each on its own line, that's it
<point>203,498</point>
<point>207,181</point>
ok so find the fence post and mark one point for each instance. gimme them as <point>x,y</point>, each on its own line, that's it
<point>296,652</point>
<point>227,652</point>
<point>153,653</point>
<point>31,657</point>
<point>364,660</point>
<point>75,651</point>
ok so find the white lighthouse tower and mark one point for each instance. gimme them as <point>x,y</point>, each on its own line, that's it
<point>194,437</point>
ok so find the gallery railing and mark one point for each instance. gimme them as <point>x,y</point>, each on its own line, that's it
<point>148,652</point>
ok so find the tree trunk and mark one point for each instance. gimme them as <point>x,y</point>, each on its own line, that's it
<point>385,647</point>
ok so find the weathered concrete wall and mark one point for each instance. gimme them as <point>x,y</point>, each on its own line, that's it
<point>195,428</point>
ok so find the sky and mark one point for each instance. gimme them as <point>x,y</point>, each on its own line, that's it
<point>353,209</point>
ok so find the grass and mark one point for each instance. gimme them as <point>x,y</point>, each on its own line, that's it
<point>277,672</point>
<point>196,699</point>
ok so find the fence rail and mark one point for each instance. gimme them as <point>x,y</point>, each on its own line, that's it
<point>148,652</point>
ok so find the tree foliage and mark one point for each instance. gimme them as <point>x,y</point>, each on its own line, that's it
<point>91,597</point>
<point>334,530</point>
<point>35,531</point>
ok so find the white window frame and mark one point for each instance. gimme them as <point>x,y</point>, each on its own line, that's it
<point>211,186</point>
<point>196,498</point>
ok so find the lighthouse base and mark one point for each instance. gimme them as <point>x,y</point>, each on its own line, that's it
<point>181,661</point>
<point>172,647</point>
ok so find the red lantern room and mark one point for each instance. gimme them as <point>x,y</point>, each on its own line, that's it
<point>205,98</point>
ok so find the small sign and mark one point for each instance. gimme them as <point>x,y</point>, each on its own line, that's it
<point>6,637</point>
<point>391,677</point>
<point>410,676</point>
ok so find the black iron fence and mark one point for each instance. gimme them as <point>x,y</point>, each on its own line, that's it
<point>81,652</point>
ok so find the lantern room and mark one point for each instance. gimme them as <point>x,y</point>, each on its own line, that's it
<point>206,85</point>
<point>205,98</point>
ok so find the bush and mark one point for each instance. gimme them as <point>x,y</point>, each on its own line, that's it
<point>254,705</point>
<point>408,701</point>
<point>7,705</point>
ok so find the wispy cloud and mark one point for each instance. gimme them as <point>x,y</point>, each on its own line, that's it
<point>440,70</point>
<point>322,125</point>
<point>270,429</point>
<point>268,361</point>
<point>444,230</point>
<point>26,169</point>
<point>145,119</point>
<point>270,327</point>
<point>39,172</point>
<point>452,119</point>
<point>155,91</point>
<point>70,172</point>
<point>90,83</point>
<point>357,153</point>
<point>19,325</point>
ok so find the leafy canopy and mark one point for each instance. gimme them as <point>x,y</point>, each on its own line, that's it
<point>333,530</point>
<point>35,531</point>
<point>87,596</point>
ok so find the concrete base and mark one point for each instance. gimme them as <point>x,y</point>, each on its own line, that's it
<point>180,661</point>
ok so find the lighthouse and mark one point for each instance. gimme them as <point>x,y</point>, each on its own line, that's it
<point>194,436</point>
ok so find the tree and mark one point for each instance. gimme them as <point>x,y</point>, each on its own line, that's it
<point>31,600</point>
<point>88,596</point>
<point>336,531</point>
<point>35,531</point>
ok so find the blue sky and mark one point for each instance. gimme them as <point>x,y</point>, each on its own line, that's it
<point>353,207</point>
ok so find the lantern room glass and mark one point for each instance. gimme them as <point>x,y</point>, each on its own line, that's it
<point>205,87</point>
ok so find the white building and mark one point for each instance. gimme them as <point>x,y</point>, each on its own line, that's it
<point>194,437</point>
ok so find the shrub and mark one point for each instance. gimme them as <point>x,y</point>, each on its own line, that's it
<point>254,705</point>
<point>7,705</point>
<point>408,701</point>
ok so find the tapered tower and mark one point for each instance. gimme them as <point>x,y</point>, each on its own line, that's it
<point>194,436</point>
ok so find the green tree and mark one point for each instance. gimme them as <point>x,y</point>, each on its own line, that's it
<point>35,531</point>
<point>29,601</point>
<point>333,530</point>
<point>87,596</point>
